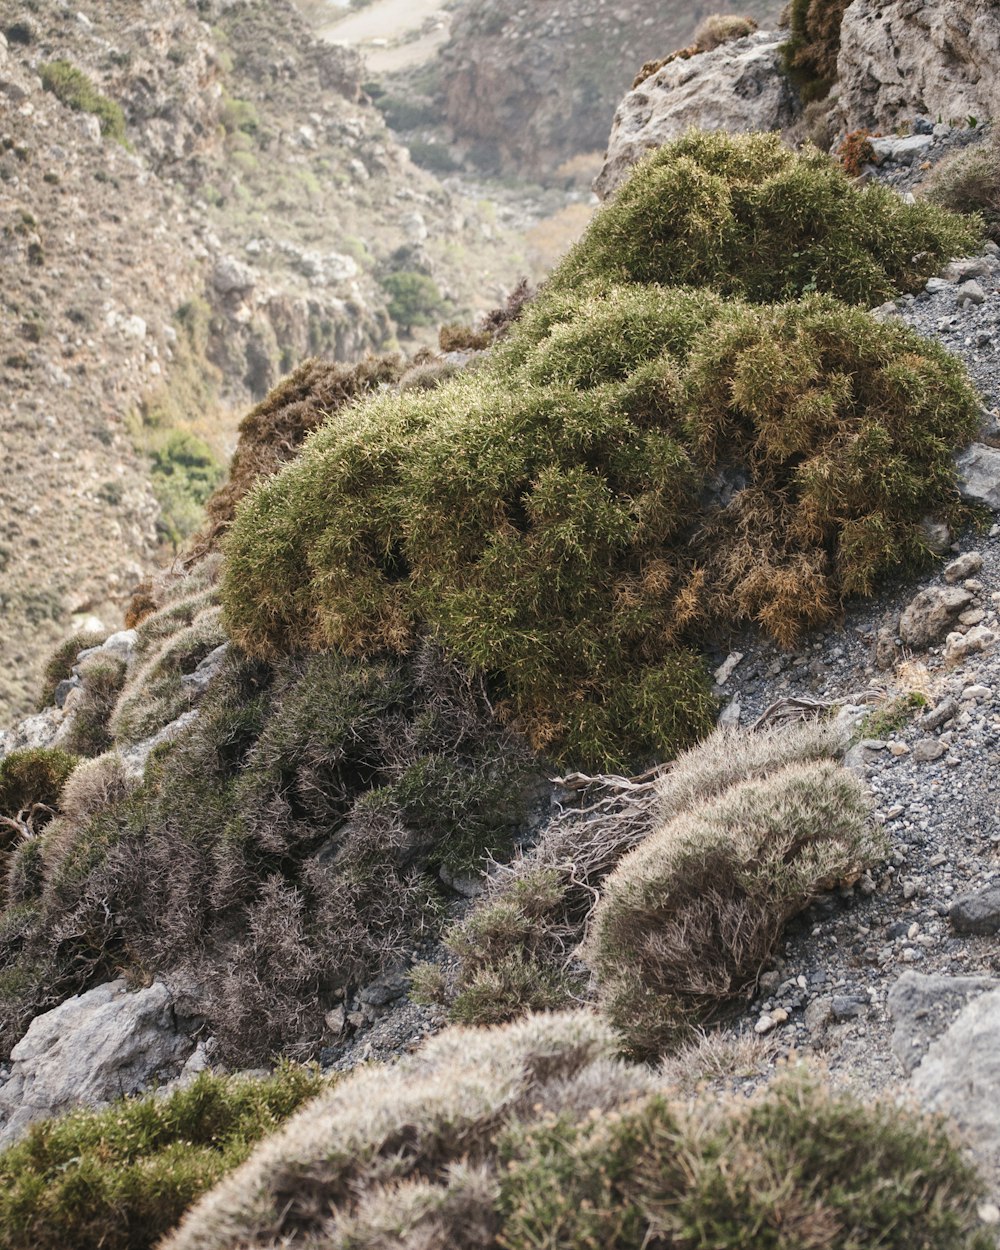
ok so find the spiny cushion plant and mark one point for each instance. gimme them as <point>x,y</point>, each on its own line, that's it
<point>59,666</point>
<point>121,1178</point>
<point>745,215</point>
<point>535,1135</point>
<point>633,467</point>
<point>688,919</point>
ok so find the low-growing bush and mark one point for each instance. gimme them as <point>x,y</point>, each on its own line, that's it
<point>60,664</point>
<point>714,30</point>
<point>745,215</point>
<point>689,918</point>
<point>73,88</point>
<point>120,1179</point>
<point>969,182</point>
<point>34,777</point>
<point>632,469</point>
<point>413,299</point>
<point>534,1135</point>
<point>102,676</point>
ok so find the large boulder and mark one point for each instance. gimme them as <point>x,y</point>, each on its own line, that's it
<point>936,57</point>
<point>739,86</point>
<point>90,1050</point>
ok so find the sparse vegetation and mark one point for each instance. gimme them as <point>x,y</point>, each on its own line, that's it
<point>73,88</point>
<point>102,677</point>
<point>969,182</point>
<point>32,779</point>
<point>689,918</point>
<point>535,1135</point>
<point>413,299</point>
<point>810,53</point>
<point>714,30</point>
<point>60,664</point>
<point>892,715</point>
<point>121,1178</point>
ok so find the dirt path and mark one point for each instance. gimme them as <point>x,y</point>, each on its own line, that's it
<point>380,30</point>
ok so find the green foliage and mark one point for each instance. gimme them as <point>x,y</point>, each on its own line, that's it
<point>810,52</point>
<point>184,472</point>
<point>561,520</point>
<point>688,919</point>
<point>748,217</point>
<point>73,88</point>
<point>59,666</point>
<point>413,299</point>
<point>121,1178</point>
<point>892,716</point>
<point>102,677</point>
<point>35,775</point>
<point>796,1169</point>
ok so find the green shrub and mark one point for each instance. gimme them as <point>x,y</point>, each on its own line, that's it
<point>34,775</point>
<point>73,88</point>
<point>534,1135</point>
<point>632,469</point>
<point>810,53</point>
<point>184,474</point>
<point>688,919</point>
<point>120,1179</point>
<point>969,182</point>
<point>892,716</point>
<point>748,217</point>
<point>102,677</point>
<point>413,299</point>
<point>60,664</point>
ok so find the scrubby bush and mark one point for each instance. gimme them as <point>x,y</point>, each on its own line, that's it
<point>715,30</point>
<point>748,217</point>
<point>102,676</point>
<point>73,88</point>
<point>121,1178</point>
<point>184,473</point>
<point>60,664</point>
<point>535,1136</point>
<point>969,182</point>
<point>413,299</point>
<point>689,918</point>
<point>632,468</point>
<point>810,53</point>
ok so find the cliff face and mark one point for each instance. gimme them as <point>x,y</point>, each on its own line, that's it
<point>195,197</point>
<point>533,86</point>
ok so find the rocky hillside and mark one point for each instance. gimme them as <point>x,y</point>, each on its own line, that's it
<point>526,89</point>
<point>197,197</point>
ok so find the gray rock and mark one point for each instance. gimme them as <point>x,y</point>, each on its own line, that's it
<point>935,286</point>
<point>979,475</point>
<point>902,151</point>
<point>936,534</point>
<point>929,749</point>
<point>971,293</point>
<point>903,55</point>
<point>203,675</point>
<point>939,715</point>
<point>966,267</point>
<point>922,1008</point>
<point>977,913</point>
<point>739,86</point>
<point>847,1006</point>
<point>135,757</point>
<point>931,614</point>
<point>959,647</point>
<point>967,565</point>
<point>230,276</point>
<point>818,1014</point>
<point>960,1075</point>
<point>90,1050</point>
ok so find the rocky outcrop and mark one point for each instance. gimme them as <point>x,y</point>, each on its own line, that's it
<point>918,56</point>
<point>90,1050</point>
<point>531,86</point>
<point>739,86</point>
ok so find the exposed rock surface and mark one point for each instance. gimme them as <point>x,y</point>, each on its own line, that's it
<point>931,613</point>
<point>923,1008</point>
<point>90,1050</point>
<point>920,56</point>
<point>739,86</point>
<point>533,85</point>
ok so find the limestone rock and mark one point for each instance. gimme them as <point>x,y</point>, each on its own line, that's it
<point>931,614</point>
<point>739,86</point>
<point>977,913</point>
<point>90,1050</point>
<point>923,1007</point>
<point>979,475</point>
<point>959,647</point>
<point>960,1075</point>
<point>918,56</point>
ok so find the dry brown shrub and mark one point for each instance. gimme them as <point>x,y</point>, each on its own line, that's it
<point>715,30</point>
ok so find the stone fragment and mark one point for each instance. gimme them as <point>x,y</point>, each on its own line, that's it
<point>970,293</point>
<point>931,613</point>
<point>231,276</point>
<point>901,151</point>
<point>959,647</point>
<point>967,565</point>
<point>977,913</point>
<point>939,715</point>
<point>727,667</point>
<point>929,749</point>
<point>89,1050</point>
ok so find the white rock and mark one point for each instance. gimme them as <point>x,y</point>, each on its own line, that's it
<point>739,86</point>
<point>90,1050</point>
<point>979,475</point>
<point>959,646</point>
